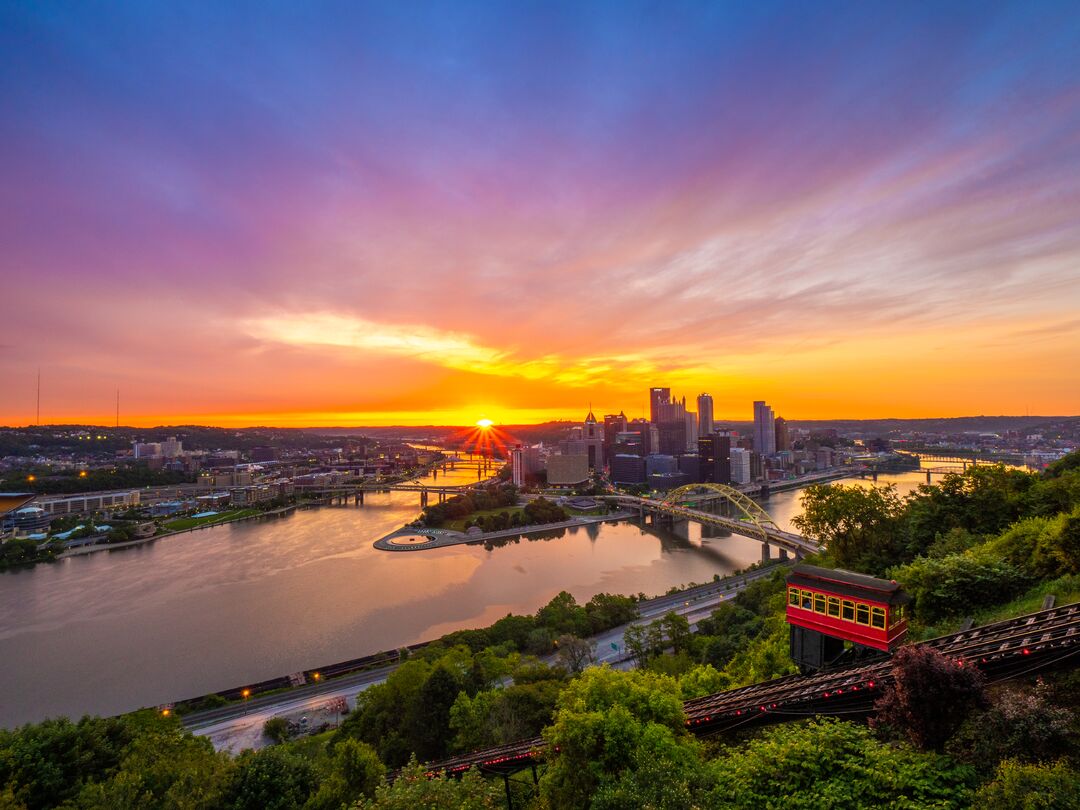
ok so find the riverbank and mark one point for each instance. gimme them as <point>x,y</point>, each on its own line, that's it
<point>76,552</point>
<point>402,539</point>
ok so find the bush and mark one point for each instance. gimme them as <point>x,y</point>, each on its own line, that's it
<point>929,698</point>
<point>277,729</point>
<point>958,584</point>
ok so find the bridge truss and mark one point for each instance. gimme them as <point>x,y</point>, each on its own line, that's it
<point>751,510</point>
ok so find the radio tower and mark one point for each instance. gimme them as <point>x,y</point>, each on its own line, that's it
<point>118,407</point>
<point>39,395</point>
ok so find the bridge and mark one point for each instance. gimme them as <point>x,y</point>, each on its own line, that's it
<point>753,522</point>
<point>1008,649</point>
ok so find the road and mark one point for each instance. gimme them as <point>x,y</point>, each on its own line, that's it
<point>239,726</point>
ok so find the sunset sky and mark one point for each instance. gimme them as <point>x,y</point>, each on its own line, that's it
<point>415,213</point>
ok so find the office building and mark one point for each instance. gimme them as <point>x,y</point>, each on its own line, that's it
<point>714,456</point>
<point>146,449</point>
<point>567,470</point>
<point>660,463</point>
<point>764,429</point>
<point>628,443</point>
<point>614,424</point>
<point>525,464</point>
<point>171,448</point>
<point>783,435</point>
<point>740,465</point>
<point>690,466</point>
<point>704,414</point>
<point>658,398</point>
<point>627,469</point>
<point>824,458</point>
<point>650,435</point>
<point>588,440</point>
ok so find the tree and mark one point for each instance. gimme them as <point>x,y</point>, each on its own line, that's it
<point>1019,724</point>
<point>957,584</point>
<point>356,773</point>
<point>605,722</point>
<point>828,763</point>
<point>47,763</point>
<point>270,779</point>
<point>861,527</point>
<point>929,698</point>
<point>575,653</point>
<point>414,789</point>
<point>1031,787</point>
<point>277,729</point>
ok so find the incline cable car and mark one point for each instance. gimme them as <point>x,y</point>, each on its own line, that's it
<point>832,612</point>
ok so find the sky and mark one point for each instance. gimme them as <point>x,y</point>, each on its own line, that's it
<point>427,213</point>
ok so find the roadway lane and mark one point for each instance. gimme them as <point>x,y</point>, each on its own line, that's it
<point>239,726</point>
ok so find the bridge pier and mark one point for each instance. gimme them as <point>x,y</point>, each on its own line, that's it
<point>765,554</point>
<point>423,497</point>
<point>442,497</point>
<point>360,497</point>
<point>928,476</point>
<point>874,475</point>
<point>783,554</point>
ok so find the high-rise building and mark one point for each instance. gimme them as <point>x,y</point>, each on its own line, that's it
<point>783,435</point>
<point>704,414</point>
<point>588,440</point>
<point>740,465</point>
<point>172,448</point>
<point>658,397</point>
<point>613,426</point>
<point>626,469</point>
<point>764,430</point>
<point>650,435</point>
<point>674,425</point>
<point>714,451</point>
<point>147,449</point>
<point>525,463</point>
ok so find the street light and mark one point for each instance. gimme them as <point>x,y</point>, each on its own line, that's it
<point>245,694</point>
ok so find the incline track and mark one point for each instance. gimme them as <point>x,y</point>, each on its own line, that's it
<point>1008,649</point>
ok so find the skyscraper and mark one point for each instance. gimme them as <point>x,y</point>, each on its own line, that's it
<point>764,429</point>
<point>783,437</point>
<point>658,398</point>
<point>714,451</point>
<point>705,414</point>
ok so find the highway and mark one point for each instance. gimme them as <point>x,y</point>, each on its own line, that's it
<point>239,726</point>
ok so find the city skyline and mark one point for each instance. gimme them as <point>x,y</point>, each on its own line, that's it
<point>387,216</point>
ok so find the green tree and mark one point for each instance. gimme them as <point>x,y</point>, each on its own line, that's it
<point>355,773</point>
<point>1018,786</point>
<point>277,729</point>
<point>414,789</point>
<point>270,779</point>
<point>827,763</point>
<point>605,722</point>
<point>861,527</point>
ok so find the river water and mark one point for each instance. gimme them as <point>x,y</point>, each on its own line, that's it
<point>215,608</point>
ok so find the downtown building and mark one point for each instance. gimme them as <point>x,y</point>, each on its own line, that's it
<point>764,429</point>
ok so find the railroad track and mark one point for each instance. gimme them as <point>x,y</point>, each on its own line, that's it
<point>1003,650</point>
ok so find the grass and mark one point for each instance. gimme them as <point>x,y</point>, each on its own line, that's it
<point>182,524</point>
<point>1066,590</point>
<point>458,524</point>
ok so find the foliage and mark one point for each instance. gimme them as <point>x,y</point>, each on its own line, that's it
<point>23,551</point>
<point>827,763</point>
<point>270,779</point>
<point>163,767</point>
<point>414,790</point>
<point>1018,786</point>
<point>1021,724</point>
<point>277,729</point>
<point>574,653</point>
<point>604,723</point>
<point>860,526</point>
<point>499,716</point>
<point>929,698</point>
<point>957,584</point>
<point>356,772</point>
<point>48,763</point>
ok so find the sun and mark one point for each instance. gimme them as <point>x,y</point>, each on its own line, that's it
<point>484,424</point>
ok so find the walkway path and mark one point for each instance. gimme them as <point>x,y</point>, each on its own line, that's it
<point>420,539</point>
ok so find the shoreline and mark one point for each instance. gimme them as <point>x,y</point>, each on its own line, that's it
<point>444,538</point>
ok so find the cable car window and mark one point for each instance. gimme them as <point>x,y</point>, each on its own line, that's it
<point>808,600</point>
<point>819,603</point>
<point>834,606</point>
<point>862,614</point>
<point>877,617</point>
<point>849,610</point>
<point>793,596</point>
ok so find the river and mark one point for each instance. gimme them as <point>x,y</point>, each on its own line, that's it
<point>215,608</point>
